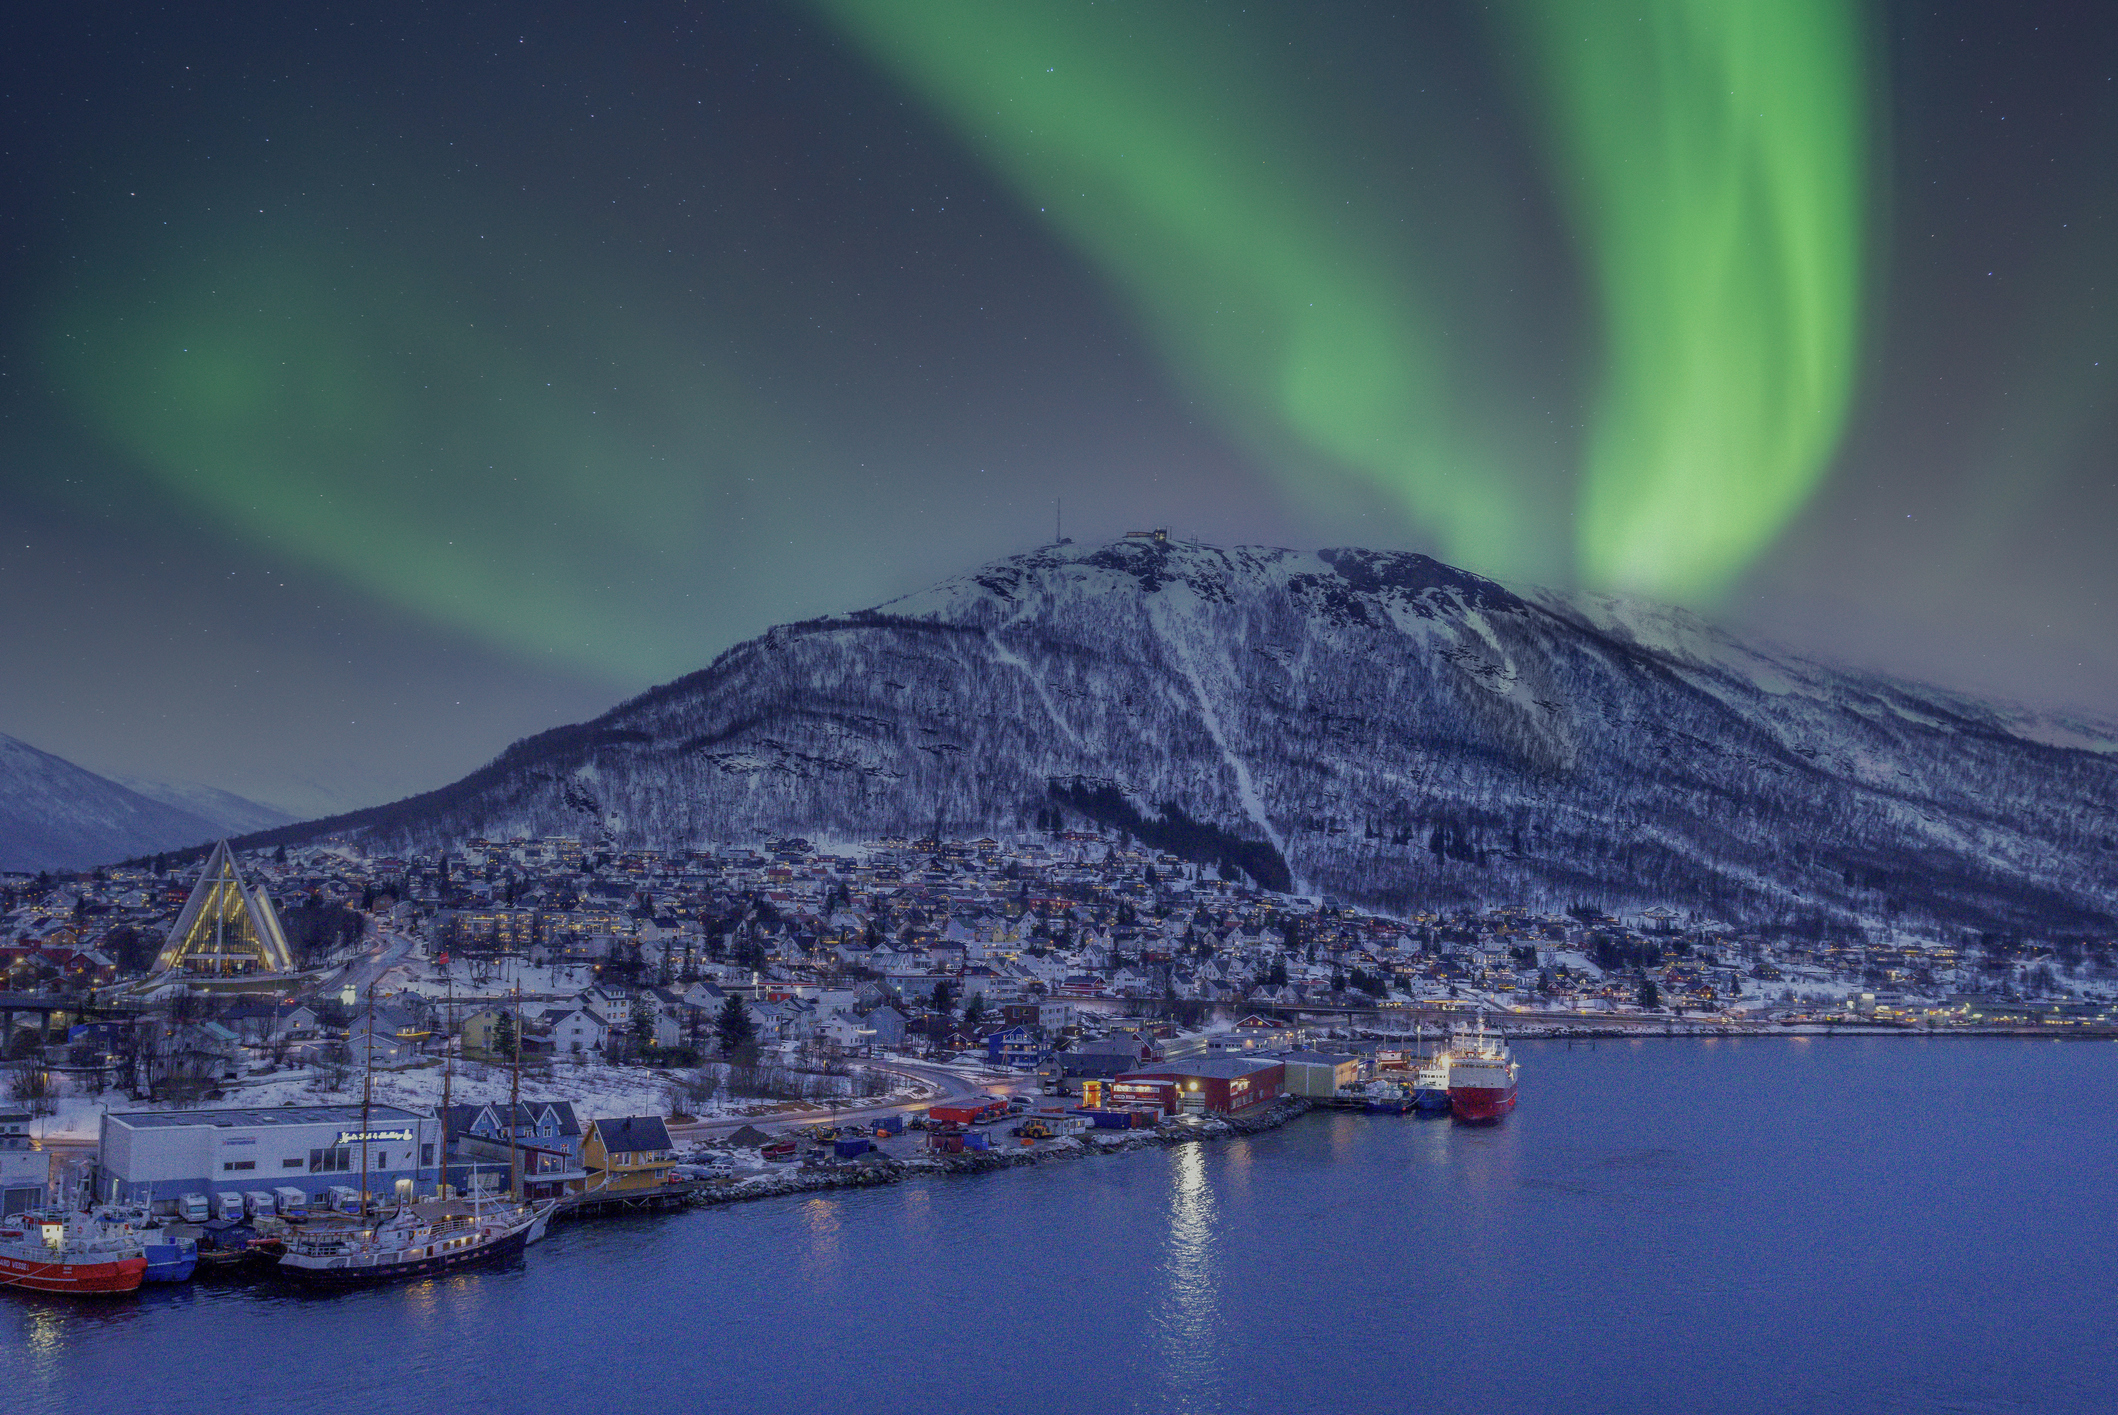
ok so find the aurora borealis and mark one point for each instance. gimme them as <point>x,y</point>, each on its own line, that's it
<point>1714,150</point>
<point>383,383</point>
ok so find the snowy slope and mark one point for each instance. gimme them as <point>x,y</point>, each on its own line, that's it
<point>1370,725</point>
<point>228,813</point>
<point>55,815</point>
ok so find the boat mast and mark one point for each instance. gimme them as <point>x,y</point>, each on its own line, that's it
<point>514,1110</point>
<point>448,1070</point>
<point>367,1101</point>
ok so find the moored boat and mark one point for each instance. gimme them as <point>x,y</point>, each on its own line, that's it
<point>1482,1075</point>
<point>1387,1098</point>
<point>68,1253</point>
<point>171,1257</point>
<point>420,1240</point>
<point>1430,1083</point>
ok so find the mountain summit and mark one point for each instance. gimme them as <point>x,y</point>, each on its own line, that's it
<point>1368,725</point>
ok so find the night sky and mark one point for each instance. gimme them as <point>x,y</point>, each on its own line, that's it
<point>381,383</point>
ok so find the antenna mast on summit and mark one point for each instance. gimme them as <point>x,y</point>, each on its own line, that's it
<point>1058,505</point>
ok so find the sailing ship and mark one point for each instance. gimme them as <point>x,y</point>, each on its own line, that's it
<point>426,1237</point>
<point>422,1239</point>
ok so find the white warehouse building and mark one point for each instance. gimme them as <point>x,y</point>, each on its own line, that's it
<point>160,1155</point>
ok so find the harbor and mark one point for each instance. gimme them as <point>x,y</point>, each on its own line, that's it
<point>1696,1157</point>
<point>145,1209</point>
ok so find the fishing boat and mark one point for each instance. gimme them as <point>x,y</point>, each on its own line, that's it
<point>1387,1098</point>
<point>171,1257</point>
<point>1430,1084</point>
<point>1482,1075</point>
<point>68,1251</point>
<point>1430,1078</point>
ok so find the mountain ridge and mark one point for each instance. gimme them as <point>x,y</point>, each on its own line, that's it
<point>1371,725</point>
<point>55,815</point>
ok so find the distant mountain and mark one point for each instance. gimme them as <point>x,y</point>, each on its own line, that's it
<point>1366,725</point>
<point>58,816</point>
<point>230,814</point>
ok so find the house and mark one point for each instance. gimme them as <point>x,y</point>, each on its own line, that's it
<point>845,1031</point>
<point>627,1154</point>
<point>483,1139</point>
<point>577,1030</point>
<point>262,1023</point>
<point>1049,1015</point>
<point>669,1014</point>
<point>613,1005</point>
<point>393,1035</point>
<point>887,1026</point>
<point>480,1031</point>
<point>1013,1046</point>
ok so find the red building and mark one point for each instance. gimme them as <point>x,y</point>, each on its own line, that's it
<point>1230,1085</point>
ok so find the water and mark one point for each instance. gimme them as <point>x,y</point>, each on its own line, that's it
<point>1770,1225</point>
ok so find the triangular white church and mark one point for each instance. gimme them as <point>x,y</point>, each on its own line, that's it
<point>227,926</point>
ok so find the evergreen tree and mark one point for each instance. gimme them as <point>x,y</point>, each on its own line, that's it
<point>1650,995</point>
<point>732,1026</point>
<point>504,1035</point>
<point>641,1028</point>
<point>974,1011</point>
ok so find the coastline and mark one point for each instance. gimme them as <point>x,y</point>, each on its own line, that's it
<point>871,1174</point>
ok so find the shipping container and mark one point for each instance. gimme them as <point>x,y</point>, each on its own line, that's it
<point>981,1110</point>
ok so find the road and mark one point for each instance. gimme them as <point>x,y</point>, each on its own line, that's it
<point>388,950</point>
<point>948,1085</point>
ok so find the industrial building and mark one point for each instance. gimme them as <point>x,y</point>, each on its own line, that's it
<point>1232,1085</point>
<point>24,1169</point>
<point>159,1155</point>
<point>1321,1075</point>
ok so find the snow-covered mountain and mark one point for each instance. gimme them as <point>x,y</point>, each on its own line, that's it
<point>1373,726</point>
<point>58,816</point>
<point>229,813</point>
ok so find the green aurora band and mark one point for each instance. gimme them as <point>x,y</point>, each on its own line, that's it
<point>545,475</point>
<point>1712,152</point>
<point>1714,155</point>
<point>1143,138</point>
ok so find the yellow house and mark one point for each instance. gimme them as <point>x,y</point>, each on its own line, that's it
<point>627,1154</point>
<point>478,1032</point>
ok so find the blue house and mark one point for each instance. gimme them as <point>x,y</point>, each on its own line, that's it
<point>1014,1046</point>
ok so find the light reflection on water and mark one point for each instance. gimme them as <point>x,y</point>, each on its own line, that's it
<point>1188,1325</point>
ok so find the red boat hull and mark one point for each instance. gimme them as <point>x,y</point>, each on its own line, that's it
<point>1480,1102</point>
<point>91,1279</point>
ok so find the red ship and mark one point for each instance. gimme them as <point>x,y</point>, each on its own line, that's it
<point>1481,1076</point>
<point>65,1252</point>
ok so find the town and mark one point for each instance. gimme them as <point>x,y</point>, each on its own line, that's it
<point>694,992</point>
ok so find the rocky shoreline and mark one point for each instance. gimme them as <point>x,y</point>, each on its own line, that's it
<point>869,1172</point>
